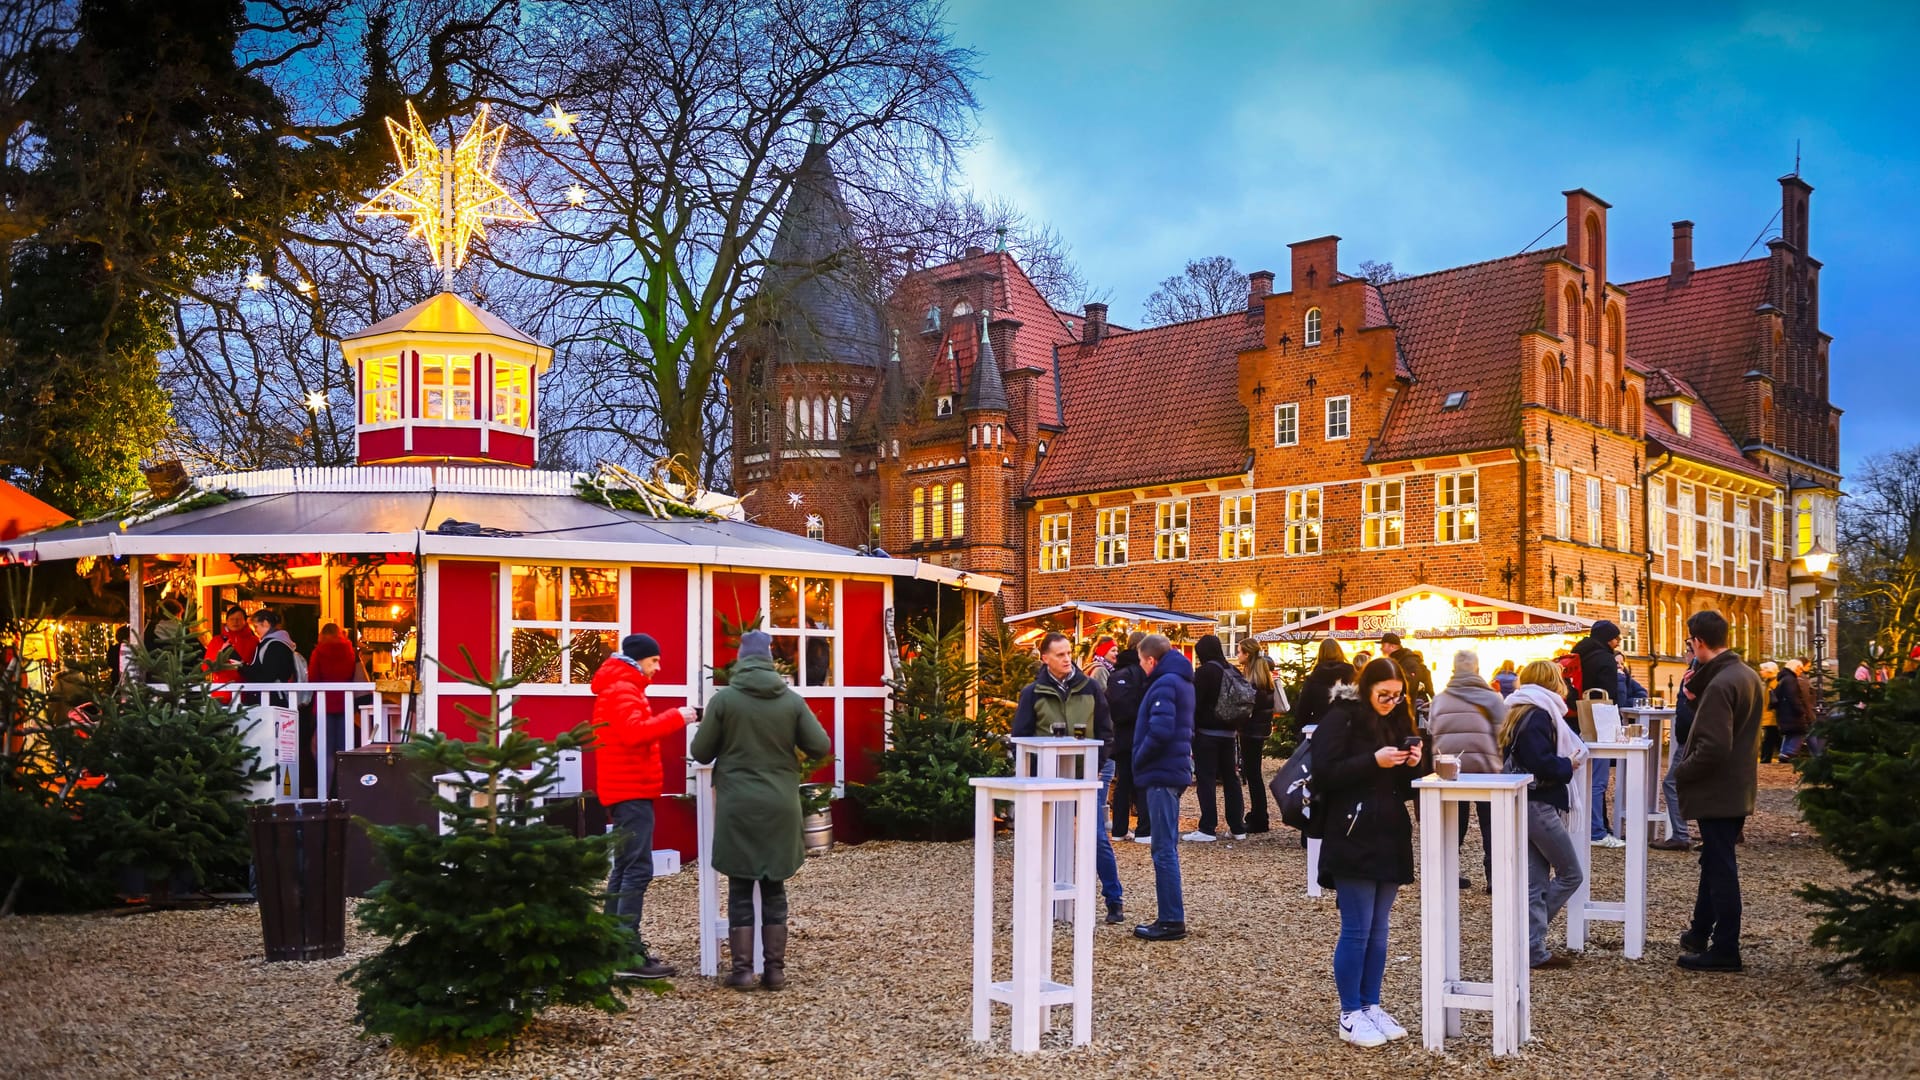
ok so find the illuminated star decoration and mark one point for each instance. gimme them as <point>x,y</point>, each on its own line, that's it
<point>794,498</point>
<point>256,281</point>
<point>316,401</point>
<point>814,521</point>
<point>306,288</point>
<point>447,194</point>
<point>561,122</point>
<point>576,196</point>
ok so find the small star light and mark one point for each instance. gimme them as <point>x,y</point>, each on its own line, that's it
<point>316,401</point>
<point>561,122</point>
<point>794,498</point>
<point>814,521</point>
<point>446,194</point>
<point>576,196</point>
<point>256,281</point>
<point>306,288</point>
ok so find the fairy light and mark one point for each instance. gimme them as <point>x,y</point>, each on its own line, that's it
<point>576,196</point>
<point>561,122</point>
<point>256,281</point>
<point>447,194</point>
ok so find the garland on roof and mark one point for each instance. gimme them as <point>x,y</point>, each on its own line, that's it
<point>623,489</point>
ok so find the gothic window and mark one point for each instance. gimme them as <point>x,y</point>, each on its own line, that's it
<point>793,424</point>
<point>919,514</point>
<point>939,512</point>
<point>959,501</point>
<point>833,420</point>
<point>820,419</point>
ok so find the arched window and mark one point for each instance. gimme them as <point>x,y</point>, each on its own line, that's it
<point>1660,629</point>
<point>793,427</point>
<point>919,514</point>
<point>846,410</point>
<point>962,309</point>
<point>959,511</point>
<point>1550,381</point>
<point>833,420</point>
<point>1312,332</point>
<point>819,418</point>
<point>939,512</point>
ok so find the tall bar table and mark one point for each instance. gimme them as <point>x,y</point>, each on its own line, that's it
<point>1050,757</point>
<point>1443,993</point>
<point>1634,756</point>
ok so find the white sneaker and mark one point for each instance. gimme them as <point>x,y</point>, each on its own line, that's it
<point>1609,840</point>
<point>1358,1030</point>
<point>1141,839</point>
<point>1239,836</point>
<point>1384,1024</point>
<point>1198,837</point>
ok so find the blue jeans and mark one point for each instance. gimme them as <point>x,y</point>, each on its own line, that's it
<point>1103,861</point>
<point>1163,810</point>
<point>632,860</point>
<point>1360,956</point>
<point>1601,767</point>
<point>1790,745</point>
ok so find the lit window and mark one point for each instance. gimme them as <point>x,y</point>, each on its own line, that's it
<point>919,514</point>
<point>1456,498</point>
<point>1742,522</point>
<point>446,387</point>
<point>512,391</point>
<point>1593,511</point>
<point>1313,326</point>
<point>1286,425</point>
<point>1110,537</point>
<point>1056,543</point>
<point>802,623</point>
<point>1303,521</point>
<point>1802,524</point>
<point>816,527</point>
<point>939,512</point>
<point>1779,525</point>
<point>1236,527</point>
<point>1683,418</point>
<point>380,390</point>
<point>1622,517</point>
<point>1716,544</point>
<point>959,512</point>
<point>1383,515</point>
<point>1683,511</point>
<point>1230,627</point>
<point>1170,531</point>
<point>1562,504</point>
<point>562,621</point>
<point>1339,417</point>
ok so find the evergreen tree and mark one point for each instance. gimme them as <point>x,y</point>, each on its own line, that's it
<point>1006,667</point>
<point>1862,795</point>
<point>498,918</point>
<point>920,790</point>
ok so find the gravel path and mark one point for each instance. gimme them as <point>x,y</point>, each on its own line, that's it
<point>880,988</point>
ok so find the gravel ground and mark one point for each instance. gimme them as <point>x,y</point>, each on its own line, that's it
<point>880,987</point>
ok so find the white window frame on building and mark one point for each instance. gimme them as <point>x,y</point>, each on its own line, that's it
<point>1172,530</point>
<point>1629,630</point>
<point>1594,502</point>
<point>566,628</point>
<point>1456,501</point>
<point>1782,620</point>
<point>1383,514</point>
<point>1056,543</point>
<point>816,611</point>
<point>1339,418</point>
<point>1289,616</point>
<point>1568,605</point>
<point>1684,511</point>
<point>1231,626</point>
<point>1310,326</point>
<point>1562,504</point>
<point>1304,507</point>
<point>1657,521</point>
<point>937,512</point>
<point>1286,424</point>
<point>1683,419</point>
<point>957,509</point>
<point>1236,527</point>
<point>1622,517</point>
<point>1110,536</point>
<point>816,527</point>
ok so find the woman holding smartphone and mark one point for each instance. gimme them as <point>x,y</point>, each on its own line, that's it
<point>1366,757</point>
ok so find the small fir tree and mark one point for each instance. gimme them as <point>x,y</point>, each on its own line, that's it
<point>1862,795</point>
<point>502,916</point>
<point>920,790</point>
<point>1006,667</point>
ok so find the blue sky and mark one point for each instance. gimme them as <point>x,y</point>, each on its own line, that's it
<point>1435,134</point>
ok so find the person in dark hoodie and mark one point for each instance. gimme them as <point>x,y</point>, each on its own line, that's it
<point>1063,697</point>
<point>1125,686</point>
<point>1419,678</point>
<point>1163,765</point>
<point>1330,670</point>
<point>1530,742</point>
<point>1216,756</point>
<point>1600,670</point>
<point>753,731</point>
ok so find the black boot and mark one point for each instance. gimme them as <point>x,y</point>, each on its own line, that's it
<point>1161,930</point>
<point>740,948</point>
<point>773,957</point>
<point>652,967</point>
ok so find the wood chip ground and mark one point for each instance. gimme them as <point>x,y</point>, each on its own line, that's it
<point>880,987</point>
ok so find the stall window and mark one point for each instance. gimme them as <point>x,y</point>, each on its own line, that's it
<point>802,624</point>
<point>512,393</point>
<point>446,387</point>
<point>575,608</point>
<point>380,390</point>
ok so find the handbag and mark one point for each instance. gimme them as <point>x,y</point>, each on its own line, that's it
<point>1292,787</point>
<point>1599,716</point>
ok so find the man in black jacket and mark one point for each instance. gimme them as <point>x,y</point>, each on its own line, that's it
<point>1412,665</point>
<point>1126,685</point>
<point>1216,753</point>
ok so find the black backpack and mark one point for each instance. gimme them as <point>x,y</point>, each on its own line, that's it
<point>1126,687</point>
<point>1234,706</point>
<point>1292,789</point>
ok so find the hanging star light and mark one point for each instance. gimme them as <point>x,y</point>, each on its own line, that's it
<point>447,193</point>
<point>794,498</point>
<point>256,281</point>
<point>561,122</point>
<point>576,196</point>
<point>306,288</point>
<point>316,401</point>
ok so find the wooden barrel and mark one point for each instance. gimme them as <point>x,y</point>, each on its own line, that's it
<point>299,864</point>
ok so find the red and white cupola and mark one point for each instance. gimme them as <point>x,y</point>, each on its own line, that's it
<point>446,381</point>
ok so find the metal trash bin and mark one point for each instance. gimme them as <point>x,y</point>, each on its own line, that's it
<point>299,863</point>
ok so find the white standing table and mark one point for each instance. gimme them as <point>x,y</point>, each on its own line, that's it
<point>1032,992</point>
<point>713,921</point>
<point>1055,757</point>
<point>1632,759</point>
<point>1444,995</point>
<point>1659,723</point>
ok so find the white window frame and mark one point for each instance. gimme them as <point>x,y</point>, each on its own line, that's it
<point>1657,521</point>
<point>1630,630</point>
<point>1305,508</point>
<point>1568,605</point>
<point>1310,326</point>
<point>1686,513</point>
<point>1345,403</point>
<point>943,406</point>
<point>1110,536</point>
<point>803,633</point>
<point>1289,616</point>
<point>1742,537</point>
<point>1383,510</point>
<point>816,527</point>
<point>1236,527</point>
<point>917,524</point>
<point>957,509</point>
<point>1562,504</point>
<point>380,401</point>
<point>566,627</point>
<point>1056,543</point>
<point>1782,621</point>
<point>1594,515</point>
<point>1286,424</point>
<point>1622,517</point>
<point>1230,627</point>
<point>1173,529</point>
<point>1683,419</point>
<point>1454,512</point>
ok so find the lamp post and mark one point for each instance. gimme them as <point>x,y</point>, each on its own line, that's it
<point>1248,598</point>
<point>1817,561</point>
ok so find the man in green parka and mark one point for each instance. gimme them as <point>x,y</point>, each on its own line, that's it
<point>750,733</point>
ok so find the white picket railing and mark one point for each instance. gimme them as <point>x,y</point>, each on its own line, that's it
<point>380,721</point>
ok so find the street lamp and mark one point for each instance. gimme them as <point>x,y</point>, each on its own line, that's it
<point>1818,560</point>
<point>1248,598</point>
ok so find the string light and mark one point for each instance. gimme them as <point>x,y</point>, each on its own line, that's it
<point>316,401</point>
<point>448,194</point>
<point>306,288</point>
<point>561,122</point>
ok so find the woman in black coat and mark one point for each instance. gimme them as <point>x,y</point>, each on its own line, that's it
<point>1316,692</point>
<point>1366,755</point>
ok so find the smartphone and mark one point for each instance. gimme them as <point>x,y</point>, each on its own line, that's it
<point>1411,742</point>
<point>698,711</point>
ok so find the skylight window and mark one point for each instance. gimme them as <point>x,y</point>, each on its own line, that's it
<point>1455,400</point>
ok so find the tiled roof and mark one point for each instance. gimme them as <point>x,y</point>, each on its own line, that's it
<point>1709,442</point>
<point>1458,330</point>
<point>822,310</point>
<point>1662,383</point>
<point>1011,295</point>
<point>1705,331</point>
<point>1120,394</point>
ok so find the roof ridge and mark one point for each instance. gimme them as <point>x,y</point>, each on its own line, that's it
<point>1702,270</point>
<point>1560,248</point>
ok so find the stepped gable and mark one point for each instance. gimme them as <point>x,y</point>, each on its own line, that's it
<point>1155,406</point>
<point>1704,330</point>
<point>821,306</point>
<point>1710,441</point>
<point>1460,329</point>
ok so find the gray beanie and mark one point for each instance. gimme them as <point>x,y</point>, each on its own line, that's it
<point>638,647</point>
<point>756,643</point>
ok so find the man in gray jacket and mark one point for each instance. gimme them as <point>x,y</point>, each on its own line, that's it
<point>1465,717</point>
<point>1717,780</point>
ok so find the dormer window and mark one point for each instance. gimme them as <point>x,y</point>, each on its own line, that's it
<point>446,387</point>
<point>1683,419</point>
<point>1312,330</point>
<point>943,405</point>
<point>933,318</point>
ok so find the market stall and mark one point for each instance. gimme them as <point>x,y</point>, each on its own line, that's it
<point>1438,622</point>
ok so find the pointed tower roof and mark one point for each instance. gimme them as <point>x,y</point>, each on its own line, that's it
<point>985,391</point>
<point>821,307</point>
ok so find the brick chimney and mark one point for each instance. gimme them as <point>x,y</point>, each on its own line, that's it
<point>1682,253</point>
<point>975,250</point>
<point>1094,326</point>
<point>1315,262</point>
<point>1259,287</point>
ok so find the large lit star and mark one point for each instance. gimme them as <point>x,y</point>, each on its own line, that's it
<point>447,194</point>
<point>561,122</point>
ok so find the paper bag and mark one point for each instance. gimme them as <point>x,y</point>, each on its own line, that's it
<point>1599,717</point>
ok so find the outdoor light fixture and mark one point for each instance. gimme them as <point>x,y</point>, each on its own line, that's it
<point>1248,598</point>
<point>1818,559</point>
<point>448,194</point>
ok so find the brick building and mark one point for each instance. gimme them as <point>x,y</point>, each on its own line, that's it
<point>1504,429</point>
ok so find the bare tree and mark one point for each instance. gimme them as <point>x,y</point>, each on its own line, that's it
<point>1210,286</point>
<point>1379,272</point>
<point>1880,554</point>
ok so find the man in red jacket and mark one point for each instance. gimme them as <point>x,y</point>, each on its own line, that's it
<point>628,746</point>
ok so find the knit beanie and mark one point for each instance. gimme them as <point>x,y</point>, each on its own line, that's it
<point>638,647</point>
<point>756,643</point>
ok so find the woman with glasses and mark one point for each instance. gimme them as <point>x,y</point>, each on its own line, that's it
<point>1366,757</point>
